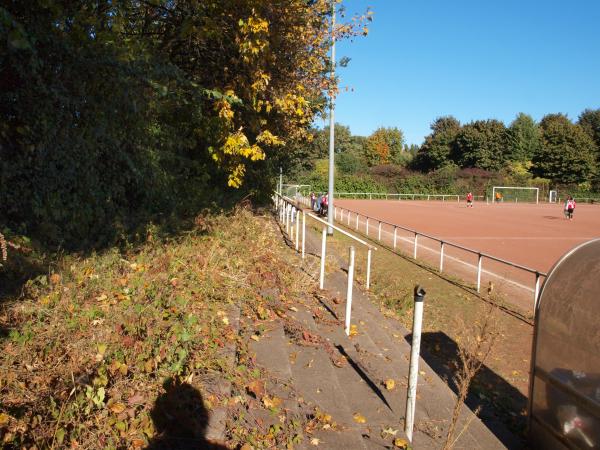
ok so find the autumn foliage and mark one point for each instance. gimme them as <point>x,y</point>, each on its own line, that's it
<point>112,112</point>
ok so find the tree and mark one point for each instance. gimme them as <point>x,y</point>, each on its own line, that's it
<point>567,152</point>
<point>435,151</point>
<point>589,120</point>
<point>115,110</point>
<point>344,141</point>
<point>481,144</point>
<point>384,146</point>
<point>524,138</point>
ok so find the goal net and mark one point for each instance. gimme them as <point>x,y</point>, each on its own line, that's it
<point>515,194</point>
<point>292,190</point>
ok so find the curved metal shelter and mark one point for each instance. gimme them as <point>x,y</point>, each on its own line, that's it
<point>564,393</point>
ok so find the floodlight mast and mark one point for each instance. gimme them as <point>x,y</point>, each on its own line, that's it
<point>330,206</point>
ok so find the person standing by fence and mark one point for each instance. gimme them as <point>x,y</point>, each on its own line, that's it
<point>469,199</point>
<point>313,199</point>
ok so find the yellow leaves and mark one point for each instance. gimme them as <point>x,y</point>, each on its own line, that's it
<point>267,138</point>
<point>4,418</point>
<point>358,418</point>
<point>315,441</point>
<point>116,407</point>
<point>389,431</point>
<point>237,144</point>
<point>271,402</point>
<point>353,330</point>
<point>293,105</point>
<point>223,107</point>
<point>55,278</point>
<point>261,82</point>
<point>236,147</point>
<point>401,443</point>
<point>390,384</point>
<point>101,352</point>
<point>256,388</point>
<point>235,178</point>
<point>118,367</point>
<point>253,39</point>
<point>254,25</point>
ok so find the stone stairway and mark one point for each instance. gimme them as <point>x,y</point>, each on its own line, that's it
<point>343,379</point>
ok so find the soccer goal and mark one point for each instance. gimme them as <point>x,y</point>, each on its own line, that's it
<point>292,190</point>
<point>553,196</point>
<point>515,194</point>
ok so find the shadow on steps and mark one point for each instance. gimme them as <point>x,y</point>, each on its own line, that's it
<point>364,376</point>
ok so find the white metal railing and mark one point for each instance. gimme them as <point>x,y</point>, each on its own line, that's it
<point>289,215</point>
<point>386,196</point>
<point>480,255</point>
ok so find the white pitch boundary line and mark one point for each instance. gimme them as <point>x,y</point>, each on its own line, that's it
<point>515,283</point>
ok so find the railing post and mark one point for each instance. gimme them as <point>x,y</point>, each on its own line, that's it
<point>367,227</point>
<point>303,233</point>
<point>415,245</point>
<point>323,257</point>
<point>349,291</point>
<point>334,213</point>
<point>368,268</point>
<point>297,229</point>
<point>348,218</point>
<point>379,232</point>
<point>479,272</point>
<point>356,221</point>
<point>536,293</point>
<point>442,256</point>
<point>287,219</point>
<point>413,373</point>
<point>395,231</point>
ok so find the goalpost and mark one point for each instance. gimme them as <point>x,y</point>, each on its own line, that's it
<point>515,194</point>
<point>291,190</point>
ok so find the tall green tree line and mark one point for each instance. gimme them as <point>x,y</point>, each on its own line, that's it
<point>555,148</point>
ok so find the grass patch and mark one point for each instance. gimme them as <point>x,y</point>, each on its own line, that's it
<point>94,346</point>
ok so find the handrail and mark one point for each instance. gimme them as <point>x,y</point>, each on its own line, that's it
<point>291,201</point>
<point>470,250</point>
<point>284,216</point>
<point>342,231</point>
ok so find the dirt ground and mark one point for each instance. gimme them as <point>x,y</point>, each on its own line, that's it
<point>535,236</point>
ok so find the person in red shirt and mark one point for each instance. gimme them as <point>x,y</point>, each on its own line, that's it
<point>470,200</point>
<point>325,204</point>
<point>570,207</point>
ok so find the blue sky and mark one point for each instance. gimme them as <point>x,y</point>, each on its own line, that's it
<point>471,59</point>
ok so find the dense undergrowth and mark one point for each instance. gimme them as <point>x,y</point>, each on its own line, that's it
<point>90,347</point>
